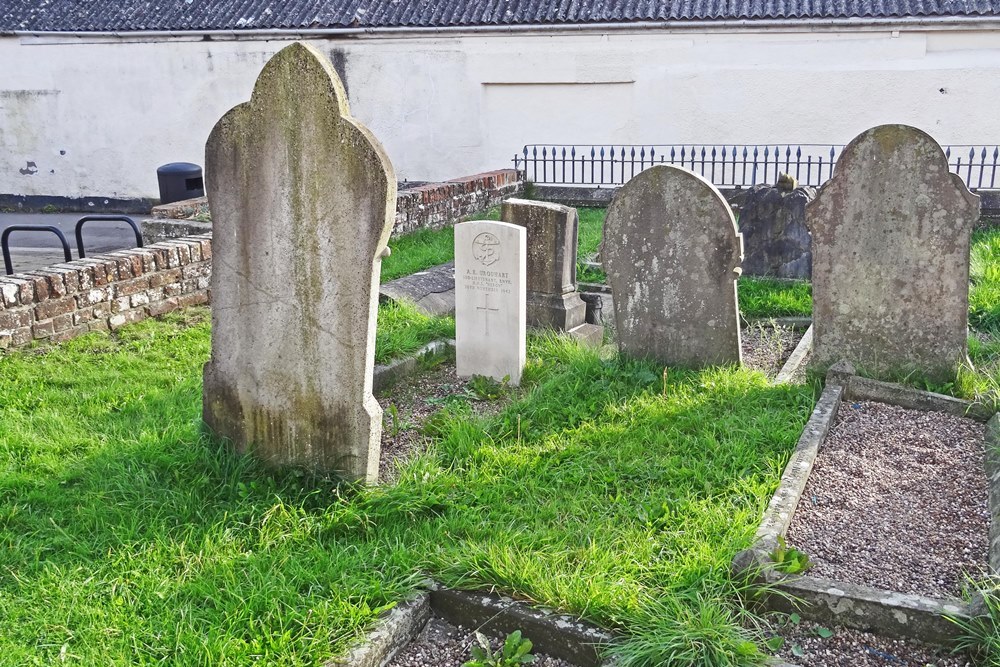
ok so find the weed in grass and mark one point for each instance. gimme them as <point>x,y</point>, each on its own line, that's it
<point>516,650</point>
<point>979,636</point>
<point>789,560</point>
<point>485,388</point>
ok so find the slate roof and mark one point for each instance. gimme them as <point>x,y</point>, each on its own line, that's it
<point>179,15</point>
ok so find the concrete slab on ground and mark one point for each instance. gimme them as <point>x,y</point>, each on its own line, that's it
<point>432,290</point>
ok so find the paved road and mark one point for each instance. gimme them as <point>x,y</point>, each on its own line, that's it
<point>34,250</point>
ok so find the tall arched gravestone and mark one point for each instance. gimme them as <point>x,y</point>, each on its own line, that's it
<point>302,199</point>
<point>672,254</point>
<point>891,233</point>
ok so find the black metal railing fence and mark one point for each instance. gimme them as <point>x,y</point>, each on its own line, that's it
<point>726,166</point>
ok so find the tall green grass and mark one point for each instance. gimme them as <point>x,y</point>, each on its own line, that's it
<point>766,297</point>
<point>128,536</point>
<point>402,330</point>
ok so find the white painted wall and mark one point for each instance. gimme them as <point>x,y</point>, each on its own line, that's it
<point>98,117</point>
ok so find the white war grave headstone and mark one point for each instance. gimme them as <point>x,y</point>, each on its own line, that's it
<point>490,317</point>
<point>891,233</point>
<point>302,199</point>
<point>672,254</point>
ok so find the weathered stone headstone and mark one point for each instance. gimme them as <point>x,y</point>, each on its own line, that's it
<point>891,233</point>
<point>302,200</point>
<point>490,322</point>
<point>672,255</point>
<point>776,241</point>
<point>552,299</point>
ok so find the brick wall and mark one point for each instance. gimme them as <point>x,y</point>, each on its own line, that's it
<point>437,205</point>
<point>104,292</point>
<point>427,206</point>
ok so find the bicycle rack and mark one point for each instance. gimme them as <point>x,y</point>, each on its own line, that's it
<point>121,218</point>
<point>4,244</point>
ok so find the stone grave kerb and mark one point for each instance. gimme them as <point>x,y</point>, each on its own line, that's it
<point>672,253</point>
<point>302,199</point>
<point>891,235</point>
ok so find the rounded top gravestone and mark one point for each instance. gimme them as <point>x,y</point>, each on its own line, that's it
<point>891,234</point>
<point>672,254</point>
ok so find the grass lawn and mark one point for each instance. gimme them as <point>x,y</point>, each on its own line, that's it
<point>127,536</point>
<point>608,488</point>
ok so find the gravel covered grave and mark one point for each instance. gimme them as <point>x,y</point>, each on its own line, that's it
<point>852,648</point>
<point>897,500</point>
<point>441,644</point>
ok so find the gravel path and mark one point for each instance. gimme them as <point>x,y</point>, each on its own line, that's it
<point>441,644</point>
<point>897,500</point>
<point>766,347</point>
<point>853,648</point>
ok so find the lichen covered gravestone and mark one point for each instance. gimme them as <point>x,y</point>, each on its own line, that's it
<point>672,254</point>
<point>302,200</point>
<point>552,299</point>
<point>776,241</point>
<point>891,233</point>
<point>490,320</point>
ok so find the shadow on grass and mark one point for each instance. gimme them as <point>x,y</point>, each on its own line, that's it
<point>129,536</point>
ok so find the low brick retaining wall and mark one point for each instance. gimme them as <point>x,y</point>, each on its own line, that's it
<point>425,206</point>
<point>104,292</point>
<point>437,205</point>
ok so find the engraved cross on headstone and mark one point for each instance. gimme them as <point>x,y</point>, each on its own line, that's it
<point>486,313</point>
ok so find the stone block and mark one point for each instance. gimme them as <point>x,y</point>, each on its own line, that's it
<point>776,240</point>
<point>51,308</point>
<point>160,278</point>
<point>552,229</point>
<point>14,318</point>
<point>157,308</point>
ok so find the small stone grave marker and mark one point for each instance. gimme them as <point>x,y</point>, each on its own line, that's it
<point>302,200</point>
<point>490,318</point>
<point>552,299</point>
<point>891,234</point>
<point>672,254</point>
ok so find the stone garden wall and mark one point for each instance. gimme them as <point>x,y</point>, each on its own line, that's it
<point>104,292</point>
